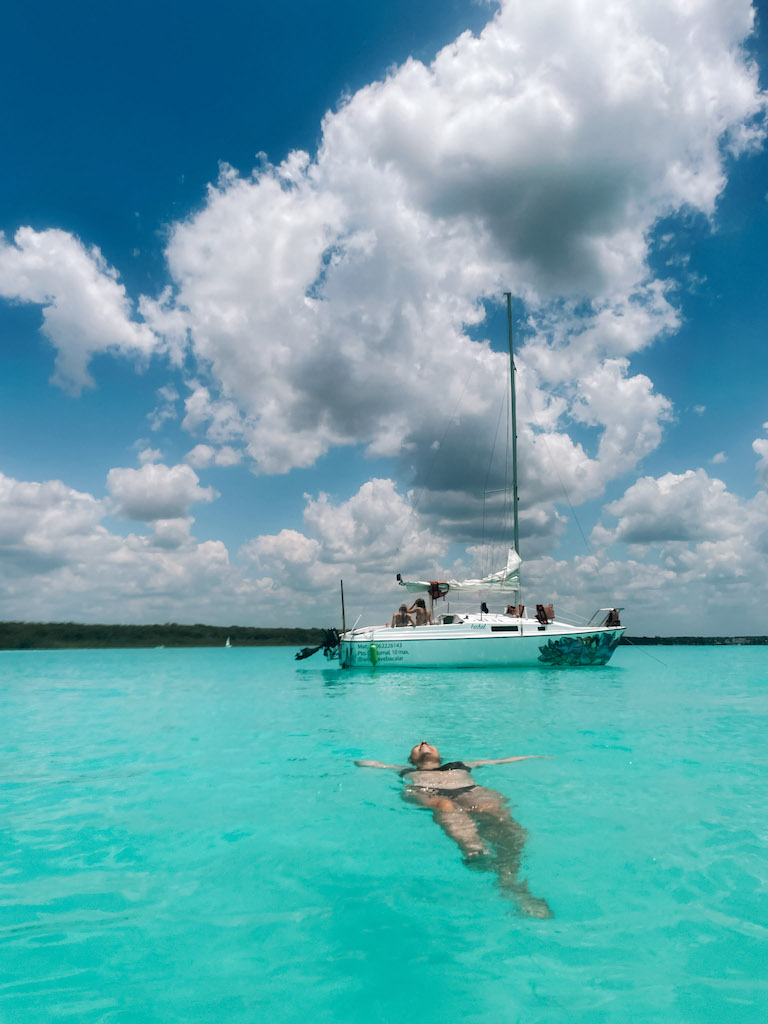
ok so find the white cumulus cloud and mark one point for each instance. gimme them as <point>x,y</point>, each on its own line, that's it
<point>675,507</point>
<point>706,549</point>
<point>760,448</point>
<point>204,455</point>
<point>58,562</point>
<point>156,491</point>
<point>347,540</point>
<point>85,308</point>
<point>39,523</point>
<point>330,297</point>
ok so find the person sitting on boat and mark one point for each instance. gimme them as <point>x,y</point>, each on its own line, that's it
<point>418,610</point>
<point>474,817</point>
<point>511,610</point>
<point>402,617</point>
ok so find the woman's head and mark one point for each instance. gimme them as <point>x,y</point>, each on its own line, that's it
<point>424,753</point>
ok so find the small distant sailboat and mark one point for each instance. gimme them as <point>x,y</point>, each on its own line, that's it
<point>228,643</point>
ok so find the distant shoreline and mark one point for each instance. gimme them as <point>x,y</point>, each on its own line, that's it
<point>710,641</point>
<point>35,636</point>
<point>52,636</point>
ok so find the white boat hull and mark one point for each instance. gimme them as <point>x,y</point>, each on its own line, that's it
<point>481,644</point>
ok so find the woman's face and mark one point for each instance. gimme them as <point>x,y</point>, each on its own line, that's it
<point>424,752</point>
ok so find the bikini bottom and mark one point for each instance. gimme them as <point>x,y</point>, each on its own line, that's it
<point>442,792</point>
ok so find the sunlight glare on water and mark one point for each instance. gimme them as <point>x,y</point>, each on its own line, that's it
<point>185,837</point>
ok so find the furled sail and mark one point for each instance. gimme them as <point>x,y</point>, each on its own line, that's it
<point>506,581</point>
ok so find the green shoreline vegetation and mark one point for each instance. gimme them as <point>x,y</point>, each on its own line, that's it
<point>703,641</point>
<point>51,636</point>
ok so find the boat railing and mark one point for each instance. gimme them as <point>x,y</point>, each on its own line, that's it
<point>608,613</point>
<point>453,618</point>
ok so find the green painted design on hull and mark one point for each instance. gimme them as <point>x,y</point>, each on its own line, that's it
<point>577,650</point>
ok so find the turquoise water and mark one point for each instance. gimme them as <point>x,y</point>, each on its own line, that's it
<point>185,838</point>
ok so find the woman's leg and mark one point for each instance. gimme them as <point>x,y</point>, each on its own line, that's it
<point>452,819</point>
<point>506,838</point>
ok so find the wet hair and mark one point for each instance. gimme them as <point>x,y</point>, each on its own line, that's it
<point>403,607</point>
<point>419,602</point>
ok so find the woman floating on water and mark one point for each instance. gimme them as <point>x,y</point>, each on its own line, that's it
<point>476,818</point>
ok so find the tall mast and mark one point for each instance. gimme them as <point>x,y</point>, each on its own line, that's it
<point>514,420</point>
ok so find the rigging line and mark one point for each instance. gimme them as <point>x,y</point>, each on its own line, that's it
<point>502,520</point>
<point>502,406</point>
<point>632,643</point>
<point>497,547</point>
<point>431,464</point>
<point>557,474</point>
<point>496,550</point>
<point>501,545</point>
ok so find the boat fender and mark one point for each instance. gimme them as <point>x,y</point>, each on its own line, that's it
<point>373,654</point>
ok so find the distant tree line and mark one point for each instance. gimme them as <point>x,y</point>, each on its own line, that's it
<point>712,641</point>
<point>35,636</point>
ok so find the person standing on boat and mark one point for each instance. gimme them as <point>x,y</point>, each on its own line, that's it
<point>402,617</point>
<point>474,817</point>
<point>419,612</point>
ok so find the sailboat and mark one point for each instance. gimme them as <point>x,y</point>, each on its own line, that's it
<point>228,643</point>
<point>472,639</point>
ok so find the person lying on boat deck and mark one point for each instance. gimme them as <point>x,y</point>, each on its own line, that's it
<point>474,817</point>
<point>420,614</point>
<point>403,617</point>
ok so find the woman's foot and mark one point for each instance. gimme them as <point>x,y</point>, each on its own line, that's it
<point>535,906</point>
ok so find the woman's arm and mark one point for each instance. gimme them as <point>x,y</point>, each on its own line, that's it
<point>380,764</point>
<point>503,760</point>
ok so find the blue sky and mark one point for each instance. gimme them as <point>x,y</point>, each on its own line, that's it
<point>252,271</point>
